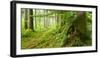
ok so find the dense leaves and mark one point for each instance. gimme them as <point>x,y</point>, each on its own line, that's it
<point>55,28</point>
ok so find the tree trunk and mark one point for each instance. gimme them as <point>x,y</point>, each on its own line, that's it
<point>45,19</point>
<point>31,19</point>
<point>81,22</point>
<point>35,19</point>
<point>77,29</point>
<point>26,19</point>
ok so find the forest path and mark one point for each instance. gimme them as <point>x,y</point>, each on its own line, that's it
<point>41,40</point>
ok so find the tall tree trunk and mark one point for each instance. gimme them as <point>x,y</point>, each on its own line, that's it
<point>48,20</point>
<point>81,20</point>
<point>45,19</point>
<point>35,19</point>
<point>77,29</point>
<point>26,19</point>
<point>31,19</point>
<point>58,17</point>
<point>82,26</point>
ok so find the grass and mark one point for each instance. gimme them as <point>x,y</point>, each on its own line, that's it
<point>46,39</point>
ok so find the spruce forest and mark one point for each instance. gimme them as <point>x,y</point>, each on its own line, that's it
<point>47,28</point>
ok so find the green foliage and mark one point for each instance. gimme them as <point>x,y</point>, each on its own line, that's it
<point>27,33</point>
<point>52,30</point>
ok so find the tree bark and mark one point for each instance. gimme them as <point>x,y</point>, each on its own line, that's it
<point>26,19</point>
<point>77,29</point>
<point>31,19</point>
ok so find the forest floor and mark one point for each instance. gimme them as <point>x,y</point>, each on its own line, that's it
<point>46,39</point>
<point>49,39</point>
